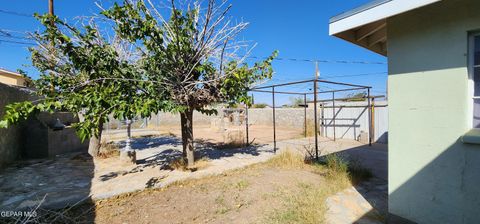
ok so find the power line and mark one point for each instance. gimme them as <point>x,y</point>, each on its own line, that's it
<point>15,13</point>
<point>7,35</point>
<point>332,76</point>
<point>342,76</point>
<point>323,61</point>
<point>16,42</point>
<point>13,31</point>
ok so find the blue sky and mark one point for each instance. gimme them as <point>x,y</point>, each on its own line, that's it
<point>298,29</point>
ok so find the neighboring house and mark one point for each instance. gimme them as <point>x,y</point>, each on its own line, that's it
<point>12,78</point>
<point>433,50</point>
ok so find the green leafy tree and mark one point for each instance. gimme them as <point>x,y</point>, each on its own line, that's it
<point>192,55</point>
<point>28,79</point>
<point>259,105</point>
<point>83,73</point>
<point>358,96</point>
<point>297,101</point>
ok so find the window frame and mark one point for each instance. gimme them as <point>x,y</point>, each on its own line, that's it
<point>471,73</point>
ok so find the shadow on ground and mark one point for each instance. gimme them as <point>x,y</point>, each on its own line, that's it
<point>44,190</point>
<point>160,151</point>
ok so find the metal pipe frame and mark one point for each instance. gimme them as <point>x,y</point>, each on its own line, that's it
<point>334,116</point>
<point>274,123</point>
<point>373,119</point>
<point>246,124</point>
<point>307,93</point>
<point>305,113</point>
<point>310,80</point>
<point>343,90</point>
<point>266,91</point>
<point>342,83</point>
<point>369,118</point>
<point>315,95</point>
<point>283,84</point>
<point>322,125</point>
<point>315,118</point>
<point>352,98</point>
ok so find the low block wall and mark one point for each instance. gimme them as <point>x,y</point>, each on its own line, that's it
<point>351,119</point>
<point>33,138</point>
<point>10,138</point>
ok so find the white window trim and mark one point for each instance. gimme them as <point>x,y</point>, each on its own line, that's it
<point>471,71</point>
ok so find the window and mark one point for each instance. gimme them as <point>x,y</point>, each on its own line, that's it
<point>475,68</point>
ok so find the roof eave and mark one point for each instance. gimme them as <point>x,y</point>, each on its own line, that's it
<point>11,73</point>
<point>366,26</point>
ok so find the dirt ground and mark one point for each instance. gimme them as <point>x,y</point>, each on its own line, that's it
<point>260,134</point>
<point>281,190</point>
<point>247,196</point>
<point>256,194</point>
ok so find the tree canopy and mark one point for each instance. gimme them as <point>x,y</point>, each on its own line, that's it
<point>192,55</point>
<point>84,73</point>
<point>185,63</point>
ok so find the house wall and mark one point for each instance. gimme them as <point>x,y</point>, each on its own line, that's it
<point>11,79</point>
<point>433,176</point>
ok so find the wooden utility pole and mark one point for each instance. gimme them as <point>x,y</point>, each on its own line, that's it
<point>50,7</point>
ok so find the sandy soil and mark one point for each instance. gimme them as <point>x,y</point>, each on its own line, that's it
<point>243,196</point>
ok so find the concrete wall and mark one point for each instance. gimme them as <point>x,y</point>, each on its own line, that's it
<point>33,138</point>
<point>351,119</point>
<point>433,177</point>
<point>174,119</point>
<point>43,141</point>
<point>10,139</point>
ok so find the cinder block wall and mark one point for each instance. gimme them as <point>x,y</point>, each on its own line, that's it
<point>10,139</point>
<point>432,176</point>
<point>351,119</point>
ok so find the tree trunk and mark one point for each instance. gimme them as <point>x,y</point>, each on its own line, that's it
<point>187,136</point>
<point>95,143</point>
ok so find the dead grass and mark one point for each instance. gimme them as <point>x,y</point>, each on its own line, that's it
<point>288,159</point>
<point>108,150</point>
<point>246,193</point>
<point>307,204</point>
<point>182,164</point>
<point>310,128</point>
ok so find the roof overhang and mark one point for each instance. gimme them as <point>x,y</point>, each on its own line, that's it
<point>366,25</point>
<point>3,71</point>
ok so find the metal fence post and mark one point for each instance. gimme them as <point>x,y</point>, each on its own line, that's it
<point>246,123</point>
<point>274,127</point>
<point>333,116</point>
<point>315,117</point>
<point>305,112</point>
<point>369,118</point>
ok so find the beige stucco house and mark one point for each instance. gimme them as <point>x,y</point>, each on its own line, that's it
<point>433,51</point>
<point>12,78</point>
